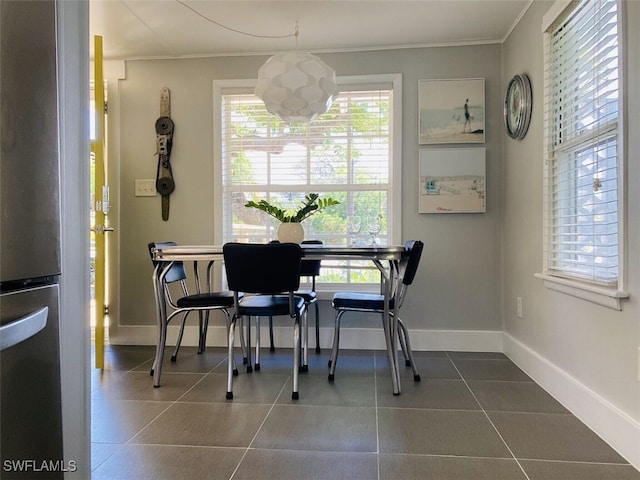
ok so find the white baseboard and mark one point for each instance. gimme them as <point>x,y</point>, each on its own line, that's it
<point>615,427</point>
<point>350,338</point>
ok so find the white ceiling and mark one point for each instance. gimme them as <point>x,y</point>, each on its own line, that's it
<point>175,28</point>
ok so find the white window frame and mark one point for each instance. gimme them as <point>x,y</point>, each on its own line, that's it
<point>394,226</point>
<point>591,291</point>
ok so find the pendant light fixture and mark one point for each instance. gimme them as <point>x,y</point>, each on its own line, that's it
<point>296,86</point>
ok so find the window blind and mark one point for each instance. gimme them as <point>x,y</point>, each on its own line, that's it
<point>582,111</point>
<point>345,154</point>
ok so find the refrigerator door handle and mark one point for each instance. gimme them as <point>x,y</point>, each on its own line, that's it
<point>23,328</point>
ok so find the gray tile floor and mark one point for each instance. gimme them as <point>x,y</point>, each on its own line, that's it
<point>473,416</point>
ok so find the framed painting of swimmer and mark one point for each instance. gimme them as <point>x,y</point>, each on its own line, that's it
<point>452,180</point>
<point>451,111</point>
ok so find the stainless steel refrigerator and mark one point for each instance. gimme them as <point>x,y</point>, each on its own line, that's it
<point>30,405</point>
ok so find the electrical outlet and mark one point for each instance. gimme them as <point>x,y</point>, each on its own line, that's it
<point>145,188</point>
<point>519,307</point>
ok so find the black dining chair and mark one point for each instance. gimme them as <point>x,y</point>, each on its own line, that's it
<point>309,269</point>
<point>269,275</point>
<point>344,302</point>
<point>183,302</point>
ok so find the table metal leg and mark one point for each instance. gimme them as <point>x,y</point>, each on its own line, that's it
<point>161,314</point>
<point>393,317</point>
<point>393,347</point>
<point>390,333</point>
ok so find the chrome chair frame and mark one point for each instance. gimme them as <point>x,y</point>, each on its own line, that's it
<point>201,302</point>
<point>268,275</point>
<point>344,302</point>
<point>309,269</point>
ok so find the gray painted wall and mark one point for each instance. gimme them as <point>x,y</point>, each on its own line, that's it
<point>595,345</point>
<point>458,286</point>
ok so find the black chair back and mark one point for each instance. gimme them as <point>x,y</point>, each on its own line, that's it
<point>310,268</point>
<point>262,268</point>
<point>177,271</point>
<point>415,248</point>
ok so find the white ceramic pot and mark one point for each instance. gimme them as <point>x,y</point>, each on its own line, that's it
<point>290,232</point>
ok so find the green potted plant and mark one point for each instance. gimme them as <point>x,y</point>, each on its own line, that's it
<point>290,229</point>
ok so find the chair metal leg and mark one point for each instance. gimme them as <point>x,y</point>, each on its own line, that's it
<point>403,346</point>
<point>179,341</point>
<point>228,322</point>
<point>243,342</point>
<point>336,343</point>
<point>203,334</point>
<point>248,347</point>
<point>257,364</point>
<point>404,334</point>
<point>230,360</point>
<point>296,357</point>
<point>200,329</point>
<point>304,366</point>
<point>317,326</point>
<point>272,347</point>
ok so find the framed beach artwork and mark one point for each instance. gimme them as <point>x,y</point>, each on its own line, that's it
<point>451,111</point>
<point>452,180</point>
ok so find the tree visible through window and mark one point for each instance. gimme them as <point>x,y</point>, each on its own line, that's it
<point>346,154</point>
<point>583,144</point>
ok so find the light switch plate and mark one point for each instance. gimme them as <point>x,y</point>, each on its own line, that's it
<point>145,188</point>
<point>519,307</point>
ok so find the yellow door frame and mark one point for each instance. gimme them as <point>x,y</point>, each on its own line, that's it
<point>100,205</point>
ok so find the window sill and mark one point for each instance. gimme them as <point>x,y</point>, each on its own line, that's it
<point>327,292</point>
<point>607,297</point>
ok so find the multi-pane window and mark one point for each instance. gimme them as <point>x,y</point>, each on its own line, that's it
<point>346,154</point>
<point>583,117</point>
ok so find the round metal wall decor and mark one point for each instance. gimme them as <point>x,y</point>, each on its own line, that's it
<point>517,106</point>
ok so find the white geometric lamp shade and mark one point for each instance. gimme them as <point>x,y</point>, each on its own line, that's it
<point>296,87</point>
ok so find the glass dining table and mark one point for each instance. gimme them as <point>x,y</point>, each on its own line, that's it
<point>385,257</point>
